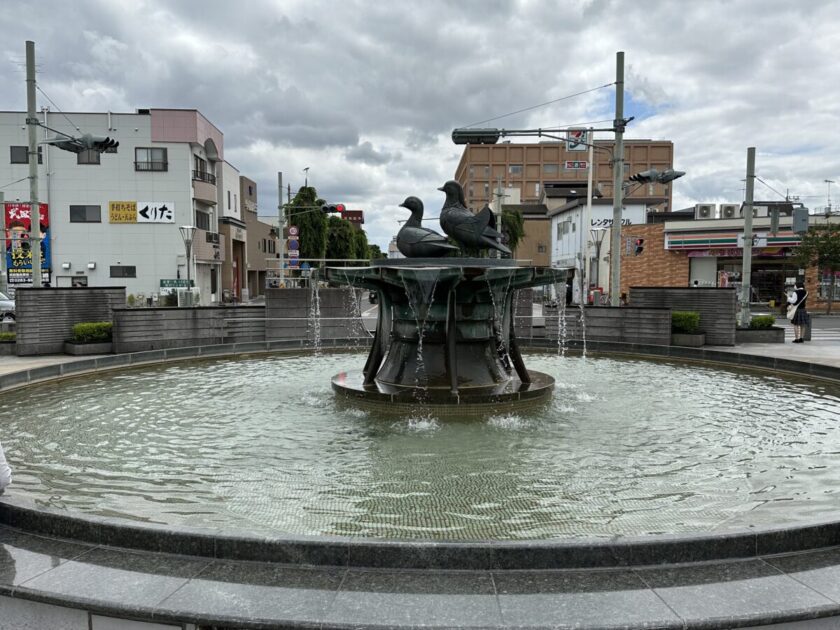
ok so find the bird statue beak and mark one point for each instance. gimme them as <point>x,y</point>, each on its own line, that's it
<point>402,205</point>
<point>441,189</point>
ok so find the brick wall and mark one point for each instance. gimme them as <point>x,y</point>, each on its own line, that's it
<point>656,266</point>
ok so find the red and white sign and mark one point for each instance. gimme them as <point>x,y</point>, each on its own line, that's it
<point>577,165</point>
<point>293,230</point>
<point>576,140</point>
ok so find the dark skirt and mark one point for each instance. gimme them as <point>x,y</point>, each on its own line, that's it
<point>800,317</point>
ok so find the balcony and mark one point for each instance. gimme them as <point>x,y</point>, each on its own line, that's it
<point>151,166</point>
<point>204,176</point>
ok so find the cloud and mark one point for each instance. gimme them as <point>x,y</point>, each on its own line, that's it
<point>366,94</point>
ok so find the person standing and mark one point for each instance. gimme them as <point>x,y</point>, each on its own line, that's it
<point>5,471</point>
<point>797,314</point>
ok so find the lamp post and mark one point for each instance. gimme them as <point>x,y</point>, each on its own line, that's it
<point>187,233</point>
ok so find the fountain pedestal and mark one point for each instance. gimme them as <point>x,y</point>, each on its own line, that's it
<point>445,334</point>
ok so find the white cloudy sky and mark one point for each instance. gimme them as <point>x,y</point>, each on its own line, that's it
<point>366,93</point>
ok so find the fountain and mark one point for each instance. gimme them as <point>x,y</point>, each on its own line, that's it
<point>445,335</point>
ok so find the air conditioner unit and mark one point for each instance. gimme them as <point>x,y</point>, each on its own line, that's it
<point>758,211</point>
<point>729,210</point>
<point>705,211</point>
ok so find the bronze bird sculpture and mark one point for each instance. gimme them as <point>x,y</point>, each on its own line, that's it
<point>415,241</point>
<point>468,229</point>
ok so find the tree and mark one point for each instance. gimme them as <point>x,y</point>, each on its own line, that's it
<point>374,252</point>
<point>820,247</point>
<point>340,241</point>
<point>513,228</point>
<point>360,244</point>
<point>305,213</point>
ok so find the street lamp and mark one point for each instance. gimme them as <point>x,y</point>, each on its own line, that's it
<point>187,233</point>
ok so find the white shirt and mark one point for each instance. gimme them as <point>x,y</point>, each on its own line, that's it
<point>5,471</point>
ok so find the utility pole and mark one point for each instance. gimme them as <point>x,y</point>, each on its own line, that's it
<point>746,263</point>
<point>587,223</point>
<point>618,182</point>
<point>34,206</point>
<point>497,210</point>
<point>281,228</point>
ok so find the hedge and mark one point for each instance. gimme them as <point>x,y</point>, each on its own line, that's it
<point>685,322</point>
<point>762,322</point>
<point>92,332</point>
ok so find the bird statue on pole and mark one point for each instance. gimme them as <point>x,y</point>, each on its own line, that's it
<point>415,241</point>
<point>467,229</point>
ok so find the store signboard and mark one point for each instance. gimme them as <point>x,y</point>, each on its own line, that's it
<point>141,212</point>
<point>16,244</point>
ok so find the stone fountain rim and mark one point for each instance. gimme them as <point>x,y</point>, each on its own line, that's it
<point>25,515</point>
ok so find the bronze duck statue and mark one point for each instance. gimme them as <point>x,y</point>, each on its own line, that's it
<point>415,241</point>
<point>468,229</point>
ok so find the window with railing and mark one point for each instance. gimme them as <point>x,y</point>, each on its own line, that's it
<point>150,159</point>
<point>204,176</point>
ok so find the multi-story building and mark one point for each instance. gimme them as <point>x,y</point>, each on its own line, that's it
<point>114,217</point>
<point>262,254</point>
<point>530,167</point>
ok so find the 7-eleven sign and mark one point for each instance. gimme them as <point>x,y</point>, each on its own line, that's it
<point>576,140</point>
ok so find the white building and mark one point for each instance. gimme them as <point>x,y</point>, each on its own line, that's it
<point>566,203</point>
<point>114,217</point>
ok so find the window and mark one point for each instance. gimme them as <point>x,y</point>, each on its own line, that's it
<point>150,159</point>
<point>88,156</point>
<point>541,248</point>
<point>123,271</point>
<point>486,189</point>
<point>85,214</point>
<point>537,189</point>
<point>20,155</point>
<point>235,203</point>
<point>515,169</point>
<point>200,164</point>
<point>472,172</point>
<point>551,169</point>
<point>202,220</point>
<point>250,191</point>
<point>486,171</point>
<point>228,192</point>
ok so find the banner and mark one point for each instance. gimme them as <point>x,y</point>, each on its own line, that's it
<point>16,243</point>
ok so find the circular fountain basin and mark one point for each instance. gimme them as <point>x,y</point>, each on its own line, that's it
<point>626,447</point>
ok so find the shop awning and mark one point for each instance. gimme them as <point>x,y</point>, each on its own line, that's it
<point>727,240</point>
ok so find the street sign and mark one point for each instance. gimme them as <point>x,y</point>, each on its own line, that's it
<point>293,263</point>
<point>305,265</point>
<point>577,165</point>
<point>294,253</point>
<point>293,243</point>
<point>576,140</point>
<point>293,230</point>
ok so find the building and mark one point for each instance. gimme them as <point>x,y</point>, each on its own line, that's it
<point>113,218</point>
<point>703,246</point>
<point>262,251</point>
<point>531,167</point>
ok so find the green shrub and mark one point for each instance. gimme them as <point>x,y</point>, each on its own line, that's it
<point>8,336</point>
<point>685,322</point>
<point>762,322</point>
<point>131,300</point>
<point>92,332</point>
<point>170,299</point>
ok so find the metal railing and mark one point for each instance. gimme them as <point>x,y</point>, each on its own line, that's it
<point>151,166</point>
<point>204,176</point>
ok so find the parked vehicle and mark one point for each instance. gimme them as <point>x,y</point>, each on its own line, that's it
<point>7,308</point>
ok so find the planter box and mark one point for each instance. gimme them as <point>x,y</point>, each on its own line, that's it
<point>8,347</point>
<point>81,349</point>
<point>765,335</point>
<point>693,340</point>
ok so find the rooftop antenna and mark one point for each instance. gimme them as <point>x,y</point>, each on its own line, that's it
<point>829,182</point>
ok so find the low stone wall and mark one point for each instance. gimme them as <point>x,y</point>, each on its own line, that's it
<point>140,329</point>
<point>290,314</point>
<point>716,307</point>
<point>603,323</point>
<point>45,317</point>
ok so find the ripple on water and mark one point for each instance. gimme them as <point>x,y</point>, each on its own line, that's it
<point>626,447</point>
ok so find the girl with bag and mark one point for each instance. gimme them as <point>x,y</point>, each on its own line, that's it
<point>796,312</point>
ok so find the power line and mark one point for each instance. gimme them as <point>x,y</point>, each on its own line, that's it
<point>14,182</point>
<point>785,197</point>
<point>556,100</point>
<point>582,124</point>
<point>72,124</point>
